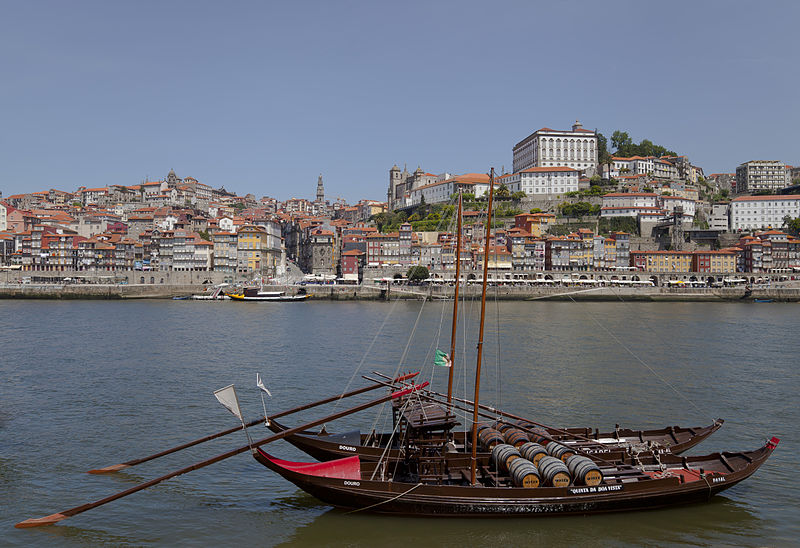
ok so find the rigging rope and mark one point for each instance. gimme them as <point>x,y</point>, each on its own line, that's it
<point>383,501</point>
<point>641,361</point>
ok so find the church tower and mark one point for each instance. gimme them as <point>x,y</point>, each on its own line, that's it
<point>395,180</point>
<point>320,191</point>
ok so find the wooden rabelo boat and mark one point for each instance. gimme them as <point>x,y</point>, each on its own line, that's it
<point>651,482</point>
<point>430,474</point>
<point>326,446</point>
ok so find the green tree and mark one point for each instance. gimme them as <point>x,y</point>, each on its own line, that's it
<point>518,195</point>
<point>205,235</point>
<point>502,192</point>
<point>792,225</point>
<point>581,209</point>
<point>417,273</point>
<point>414,217</point>
<point>620,139</point>
<point>536,210</point>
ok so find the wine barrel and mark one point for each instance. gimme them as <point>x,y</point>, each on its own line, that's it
<point>515,437</point>
<point>485,425</point>
<point>584,470</point>
<point>503,454</point>
<point>523,473</point>
<point>525,424</point>
<point>559,451</point>
<point>537,437</point>
<point>503,427</point>
<point>533,452</point>
<point>490,437</point>
<point>553,472</point>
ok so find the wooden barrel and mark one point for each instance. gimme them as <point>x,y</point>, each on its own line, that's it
<point>533,452</point>
<point>537,437</point>
<point>489,437</point>
<point>525,424</point>
<point>503,427</point>
<point>553,472</point>
<point>485,425</point>
<point>503,455</point>
<point>523,473</point>
<point>515,437</point>
<point>559,451</point>
<point>584,470</point>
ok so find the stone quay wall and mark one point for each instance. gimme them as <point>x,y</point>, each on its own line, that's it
<point>413,292</point>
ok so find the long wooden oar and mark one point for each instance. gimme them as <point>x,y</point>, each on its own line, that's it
<point>134,462</point>
<point>54,518</point>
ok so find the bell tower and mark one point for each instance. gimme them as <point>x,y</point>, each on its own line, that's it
<point>320,190</point>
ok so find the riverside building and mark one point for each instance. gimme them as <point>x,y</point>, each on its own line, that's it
<point>761,212</point>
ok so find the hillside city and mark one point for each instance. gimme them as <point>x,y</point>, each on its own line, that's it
<point>568,204</point>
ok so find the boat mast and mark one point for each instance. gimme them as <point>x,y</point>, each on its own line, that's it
<point>455,306</point>
<point>474,460</point>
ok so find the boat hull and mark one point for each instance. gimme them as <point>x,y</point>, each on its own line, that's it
<point>328,447</point>
<point>718,472</point>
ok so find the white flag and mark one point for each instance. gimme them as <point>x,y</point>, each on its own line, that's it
<point>260,384</point>
<point>227,397</point>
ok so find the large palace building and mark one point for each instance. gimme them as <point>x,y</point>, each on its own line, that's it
<point>549,148</point>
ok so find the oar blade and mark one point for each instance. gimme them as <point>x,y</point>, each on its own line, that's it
<point>109,469</point>
<point>39,522</point>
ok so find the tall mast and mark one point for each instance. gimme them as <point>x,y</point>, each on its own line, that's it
<point>455,307</point>
<point>474,461</point>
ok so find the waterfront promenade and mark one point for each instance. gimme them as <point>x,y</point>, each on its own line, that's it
<point>787,292</point>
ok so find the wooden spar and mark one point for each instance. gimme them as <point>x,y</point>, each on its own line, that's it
<point>492,415</point>
<point>455,307</point>
<point>492,412</point>
<point>474,461</point>
<point>53,518</point>
<point>134,462</point>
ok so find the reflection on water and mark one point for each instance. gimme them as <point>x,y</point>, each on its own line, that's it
<point>697,524</point>
<point>89,384</point>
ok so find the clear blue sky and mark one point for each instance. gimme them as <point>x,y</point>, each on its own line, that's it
<point>262,97</point>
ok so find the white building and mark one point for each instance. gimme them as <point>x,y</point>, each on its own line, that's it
<point>631,199</point>
<point>670,203</point>
<point>542,180</point>
<point>549,147</point>
<point>3,218</point>
<point>761,175</point>
<point>718,218</point>
<point>226,224</point>
<point>761,212</point>
<point>638,204</point>
<point>441,191</point>
<point>641,165</point>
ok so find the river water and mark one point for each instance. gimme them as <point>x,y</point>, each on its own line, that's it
<point>86,384</point>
